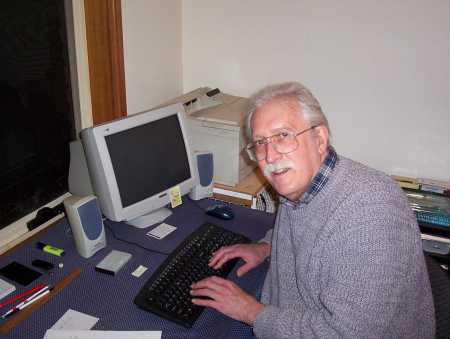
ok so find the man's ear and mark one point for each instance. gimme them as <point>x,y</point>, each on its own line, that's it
<point>321,139</point>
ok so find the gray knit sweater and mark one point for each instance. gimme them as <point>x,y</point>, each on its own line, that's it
<point>349,264</point>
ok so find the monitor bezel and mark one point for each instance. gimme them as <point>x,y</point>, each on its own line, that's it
<point>107,188</point>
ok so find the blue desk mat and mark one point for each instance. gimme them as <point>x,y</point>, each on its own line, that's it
<point>110,298</point>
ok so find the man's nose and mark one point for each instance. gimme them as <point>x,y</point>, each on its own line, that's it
<point>272,155</point>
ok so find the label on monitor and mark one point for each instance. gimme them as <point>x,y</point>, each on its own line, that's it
<point>175,196</point>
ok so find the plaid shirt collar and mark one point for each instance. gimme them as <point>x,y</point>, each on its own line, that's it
<point>319,180</point>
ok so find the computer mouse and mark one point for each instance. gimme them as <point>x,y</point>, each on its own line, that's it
<point>220,211</point>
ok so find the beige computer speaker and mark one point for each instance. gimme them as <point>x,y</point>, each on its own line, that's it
<point>85,219</point>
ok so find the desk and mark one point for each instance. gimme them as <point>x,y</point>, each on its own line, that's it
<point>110,298</point>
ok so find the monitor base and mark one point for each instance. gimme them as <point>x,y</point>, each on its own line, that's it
<point>151,218</point>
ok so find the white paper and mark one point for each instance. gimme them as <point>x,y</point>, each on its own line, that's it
<point>161,231</point>
<point>68,334</point>
<point>6,288</point>
<point>139,271</point>
<point>74,320</point>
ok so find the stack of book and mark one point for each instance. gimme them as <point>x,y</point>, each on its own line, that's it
<point>430,201</point>
<point>430,209</point>
<point>247,193</point>
<point>424,185</point>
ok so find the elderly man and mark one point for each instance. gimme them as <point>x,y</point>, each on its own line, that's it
<point>345,252</point>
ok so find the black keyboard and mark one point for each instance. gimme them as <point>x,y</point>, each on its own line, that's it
<point>167,292</point>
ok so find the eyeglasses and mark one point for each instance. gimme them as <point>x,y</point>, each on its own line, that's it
<point>283,142</point>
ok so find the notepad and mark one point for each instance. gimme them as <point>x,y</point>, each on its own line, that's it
<point>161,231</point>
<point>74,320</point>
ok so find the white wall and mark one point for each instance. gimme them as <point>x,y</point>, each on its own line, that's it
<point>381,69</point>
<point>152,52</point>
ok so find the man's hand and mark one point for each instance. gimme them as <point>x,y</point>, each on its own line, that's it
<point>227,298</point>
<point>252,254</point>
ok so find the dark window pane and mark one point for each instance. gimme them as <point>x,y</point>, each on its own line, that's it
<point>37,115</point>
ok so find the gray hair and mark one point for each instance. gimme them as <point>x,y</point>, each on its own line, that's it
<point>310,107</point>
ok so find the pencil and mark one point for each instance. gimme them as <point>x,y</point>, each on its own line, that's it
<point>22,295</point>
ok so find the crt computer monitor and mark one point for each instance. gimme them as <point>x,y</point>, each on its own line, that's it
<point>135,162</point>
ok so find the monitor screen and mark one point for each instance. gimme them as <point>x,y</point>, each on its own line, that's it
<point>141,155</point>
<point>135,161</point>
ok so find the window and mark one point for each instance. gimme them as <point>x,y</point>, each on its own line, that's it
<point>37,120</point>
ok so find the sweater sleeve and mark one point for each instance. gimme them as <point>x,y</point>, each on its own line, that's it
<point>363,279</point>
<point>268,237</point>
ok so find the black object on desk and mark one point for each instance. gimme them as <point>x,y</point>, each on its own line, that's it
<point>167,292</point>
<point>19,273</point>
<point>220,211</point>
<point>42,264</point>
<point>44,215</point>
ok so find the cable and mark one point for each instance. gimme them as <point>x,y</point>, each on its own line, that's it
<point>196,205</point>
<point>217,201</point>
<point>133,243</point>
<point>138,245</point>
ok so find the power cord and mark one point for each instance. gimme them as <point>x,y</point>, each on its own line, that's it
<point>105,222</point>
<point>194,202</point>
<point>217,201</point>
<point>131,242</point>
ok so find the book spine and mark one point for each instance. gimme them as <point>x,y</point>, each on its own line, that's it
<point>253,203</point>
<point>405,184</point>
<point>234,194</point>
<point>425,236</point>
<point>432,188</point>
<point>434,230</point>
<point>439,219</point>
<point>233,200</point>
<point>439,183</point>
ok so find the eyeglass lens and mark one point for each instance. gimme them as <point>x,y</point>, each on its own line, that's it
<point>284,142</point>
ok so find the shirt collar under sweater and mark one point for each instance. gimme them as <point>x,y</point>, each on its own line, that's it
<point>319,180</point>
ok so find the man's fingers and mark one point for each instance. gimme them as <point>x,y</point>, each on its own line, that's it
<point>214,283</point>
<point>204,302</point>
<point>227,298</point>
<point>206,292</point>
<point>223,259</point>
<point>222,256</point>
<point>214,288</point>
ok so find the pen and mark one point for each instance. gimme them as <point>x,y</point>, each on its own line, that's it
<point>30,298</point>
<point>33,300</point>
<point>28,303</point>
<point>20,296</point>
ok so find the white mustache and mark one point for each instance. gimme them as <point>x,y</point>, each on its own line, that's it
<point>283,164</point>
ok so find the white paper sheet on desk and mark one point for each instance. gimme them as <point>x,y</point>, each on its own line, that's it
<point>74,320</point>
<point>70,334</point>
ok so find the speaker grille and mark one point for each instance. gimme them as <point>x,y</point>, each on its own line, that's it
<point>205,168</point>
<point>91,219</point>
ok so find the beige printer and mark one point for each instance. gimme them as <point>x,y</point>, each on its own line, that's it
<point>216,123</point>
